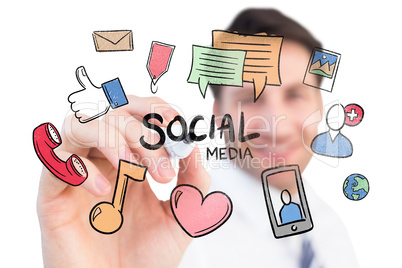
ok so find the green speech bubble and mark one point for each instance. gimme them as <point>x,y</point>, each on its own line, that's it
<point>217,67</point>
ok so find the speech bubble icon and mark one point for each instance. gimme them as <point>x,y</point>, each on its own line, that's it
<point>217,67</point>
<point>261,65</point>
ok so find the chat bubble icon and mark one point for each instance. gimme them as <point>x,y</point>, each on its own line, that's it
<point>217,67</point>
<point>261,65</point>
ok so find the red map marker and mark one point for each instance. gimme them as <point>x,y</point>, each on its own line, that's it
<point>158,61</point>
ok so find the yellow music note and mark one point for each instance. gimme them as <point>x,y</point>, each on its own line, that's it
<point>106,217</point>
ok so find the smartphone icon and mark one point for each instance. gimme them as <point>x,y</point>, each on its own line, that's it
<point>288,210</point>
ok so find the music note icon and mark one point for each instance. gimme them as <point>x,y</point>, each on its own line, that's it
<point>106,217</point>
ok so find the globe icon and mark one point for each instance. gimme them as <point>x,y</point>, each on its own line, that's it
<point>356,187</point>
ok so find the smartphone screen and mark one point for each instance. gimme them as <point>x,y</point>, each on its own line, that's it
<point>287,206</point>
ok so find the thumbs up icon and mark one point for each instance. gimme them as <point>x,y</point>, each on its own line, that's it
<point>92,102</point>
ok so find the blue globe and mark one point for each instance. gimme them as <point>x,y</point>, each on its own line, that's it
<point>356,187</point>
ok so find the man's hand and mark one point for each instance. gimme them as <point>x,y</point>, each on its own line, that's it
<point>149,236</point>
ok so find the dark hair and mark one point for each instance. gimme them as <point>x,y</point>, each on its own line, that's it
<point>270,21</point>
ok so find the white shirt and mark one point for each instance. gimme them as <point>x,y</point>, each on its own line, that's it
<point>246,239</point>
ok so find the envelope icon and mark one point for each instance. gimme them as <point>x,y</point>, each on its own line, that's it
<point>121,40</point>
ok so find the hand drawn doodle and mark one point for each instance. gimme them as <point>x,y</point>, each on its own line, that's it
<point>261,65</point>
<point>217,67</point>
<point>108,41</point>
<point>322,69</point>
<point>158,63</point>
<point>46,138</point>
<point>356,187</point>
<point>333,143</point>
<point>198,215</point>
<point>107,218</point>
<point>92,102</point>
<point>288,211</point>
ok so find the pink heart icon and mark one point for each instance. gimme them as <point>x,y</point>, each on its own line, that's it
<point>196,215</point>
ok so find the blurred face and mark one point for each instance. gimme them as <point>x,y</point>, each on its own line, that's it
<point>278,115</point>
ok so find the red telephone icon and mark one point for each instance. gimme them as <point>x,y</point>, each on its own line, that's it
<point>46,138</point>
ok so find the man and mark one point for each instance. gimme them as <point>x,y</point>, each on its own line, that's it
<point>150,236</point>
<point>279,115</point>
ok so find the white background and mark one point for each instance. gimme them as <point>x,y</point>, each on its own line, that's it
<point>42,43</point>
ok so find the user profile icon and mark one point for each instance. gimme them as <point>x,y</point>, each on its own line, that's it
<point>333,143</point>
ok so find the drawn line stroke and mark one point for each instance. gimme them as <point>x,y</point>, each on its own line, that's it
<point>220,77</point>
<point>218,61</point>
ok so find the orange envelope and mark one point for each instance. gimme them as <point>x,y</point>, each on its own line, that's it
<point>113,40</point>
